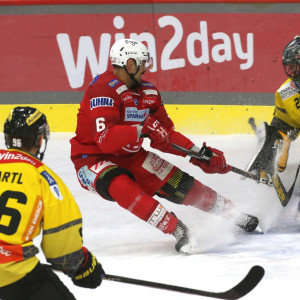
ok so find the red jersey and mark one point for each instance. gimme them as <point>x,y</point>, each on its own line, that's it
<point>108,116</point>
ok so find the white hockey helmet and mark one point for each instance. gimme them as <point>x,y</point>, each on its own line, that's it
<point>124,49</point>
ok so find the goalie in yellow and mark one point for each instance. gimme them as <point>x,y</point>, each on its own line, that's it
<point>34,199</point>
<point>275,139</point>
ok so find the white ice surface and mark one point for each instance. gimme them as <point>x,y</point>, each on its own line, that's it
<point>128,247</point>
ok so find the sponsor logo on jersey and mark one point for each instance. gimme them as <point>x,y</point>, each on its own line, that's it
<point>101,102</point>
<point>86,177</point>
<point>151,92</point>
<point>126,97</point>
<point>157,215</point>
<point>10,252</point>
<point>293,85</point>
<point>136,102</point>
<point>133,114</point>
<point>288,90</point>
<point>5,252</point>
<point>34,221</point>
<point>113,83</point>
<point>147,84</point>
<point>14,157</point>
<point>94,80</point>
<point>121,89</point>
<point>157,166</point>
<point>53,185</point>
<point>102,136</point>
<point>149,101</point>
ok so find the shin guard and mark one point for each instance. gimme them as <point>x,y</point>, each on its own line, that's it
<point>130,196</point>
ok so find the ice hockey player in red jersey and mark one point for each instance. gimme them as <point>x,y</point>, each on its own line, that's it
<point>119,110</point>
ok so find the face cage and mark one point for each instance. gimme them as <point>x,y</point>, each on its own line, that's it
<point>292,70</point>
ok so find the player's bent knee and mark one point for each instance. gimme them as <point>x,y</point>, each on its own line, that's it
<point>177,187</point>
<point>105,179</point>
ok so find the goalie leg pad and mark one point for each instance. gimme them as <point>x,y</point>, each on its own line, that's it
<point>177,187</point>
<point>284,146</point>
<point>264,159</point>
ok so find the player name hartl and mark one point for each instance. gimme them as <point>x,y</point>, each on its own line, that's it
<point>13,177</point>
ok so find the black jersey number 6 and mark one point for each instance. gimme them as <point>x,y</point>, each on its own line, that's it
<point>13,213</point>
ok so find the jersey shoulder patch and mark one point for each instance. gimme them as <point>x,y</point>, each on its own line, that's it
<point>52,184</point>
<point>147,84</point>
<point>287,90</point>
<point>94,80</point>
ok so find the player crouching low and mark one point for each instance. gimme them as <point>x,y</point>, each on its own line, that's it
<point>274,140</point>
<point>119,110</point>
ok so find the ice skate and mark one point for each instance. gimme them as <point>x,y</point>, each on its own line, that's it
<point>182,236</point>
<point>247,222</point>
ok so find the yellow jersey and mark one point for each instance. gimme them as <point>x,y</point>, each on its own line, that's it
<point>34,199</point>
<point>287,104</point>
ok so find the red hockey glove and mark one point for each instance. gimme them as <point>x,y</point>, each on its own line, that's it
<point>157,133</point>
<point>90,272</point>
<point>213,161</point>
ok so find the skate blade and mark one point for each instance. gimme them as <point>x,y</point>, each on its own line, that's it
<point>190,248</point>
<point>258,230</point>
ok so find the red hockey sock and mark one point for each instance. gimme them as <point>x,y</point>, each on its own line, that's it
<point>206,199</point>
<point>127,193</point>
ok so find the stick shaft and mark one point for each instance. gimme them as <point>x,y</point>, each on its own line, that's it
<point>200,157</point>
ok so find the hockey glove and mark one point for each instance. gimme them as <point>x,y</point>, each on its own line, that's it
<point>90,273</point>
<point>213,161</point>
<point>157,133</point>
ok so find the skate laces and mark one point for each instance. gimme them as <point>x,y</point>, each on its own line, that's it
<point>180,231</point>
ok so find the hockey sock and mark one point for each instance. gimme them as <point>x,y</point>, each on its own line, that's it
<point>206,199</point>
<point>127,193</point>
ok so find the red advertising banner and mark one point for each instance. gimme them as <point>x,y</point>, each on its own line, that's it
<point>192,52</point>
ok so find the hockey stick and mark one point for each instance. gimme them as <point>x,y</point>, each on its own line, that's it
<point>204,158</point>
<point>251,280</point>
<point>283,195</point>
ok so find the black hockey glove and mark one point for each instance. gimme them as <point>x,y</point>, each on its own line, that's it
<point>90,273</point>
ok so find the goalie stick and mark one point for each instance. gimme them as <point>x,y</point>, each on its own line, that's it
<point>283,195</point>
<point>250,281</point>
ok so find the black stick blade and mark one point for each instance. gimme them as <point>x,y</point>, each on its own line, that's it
<point>251,280</point>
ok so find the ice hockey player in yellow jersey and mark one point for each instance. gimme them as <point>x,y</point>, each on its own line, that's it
<point>33,199</point>
<point>275,139</point>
